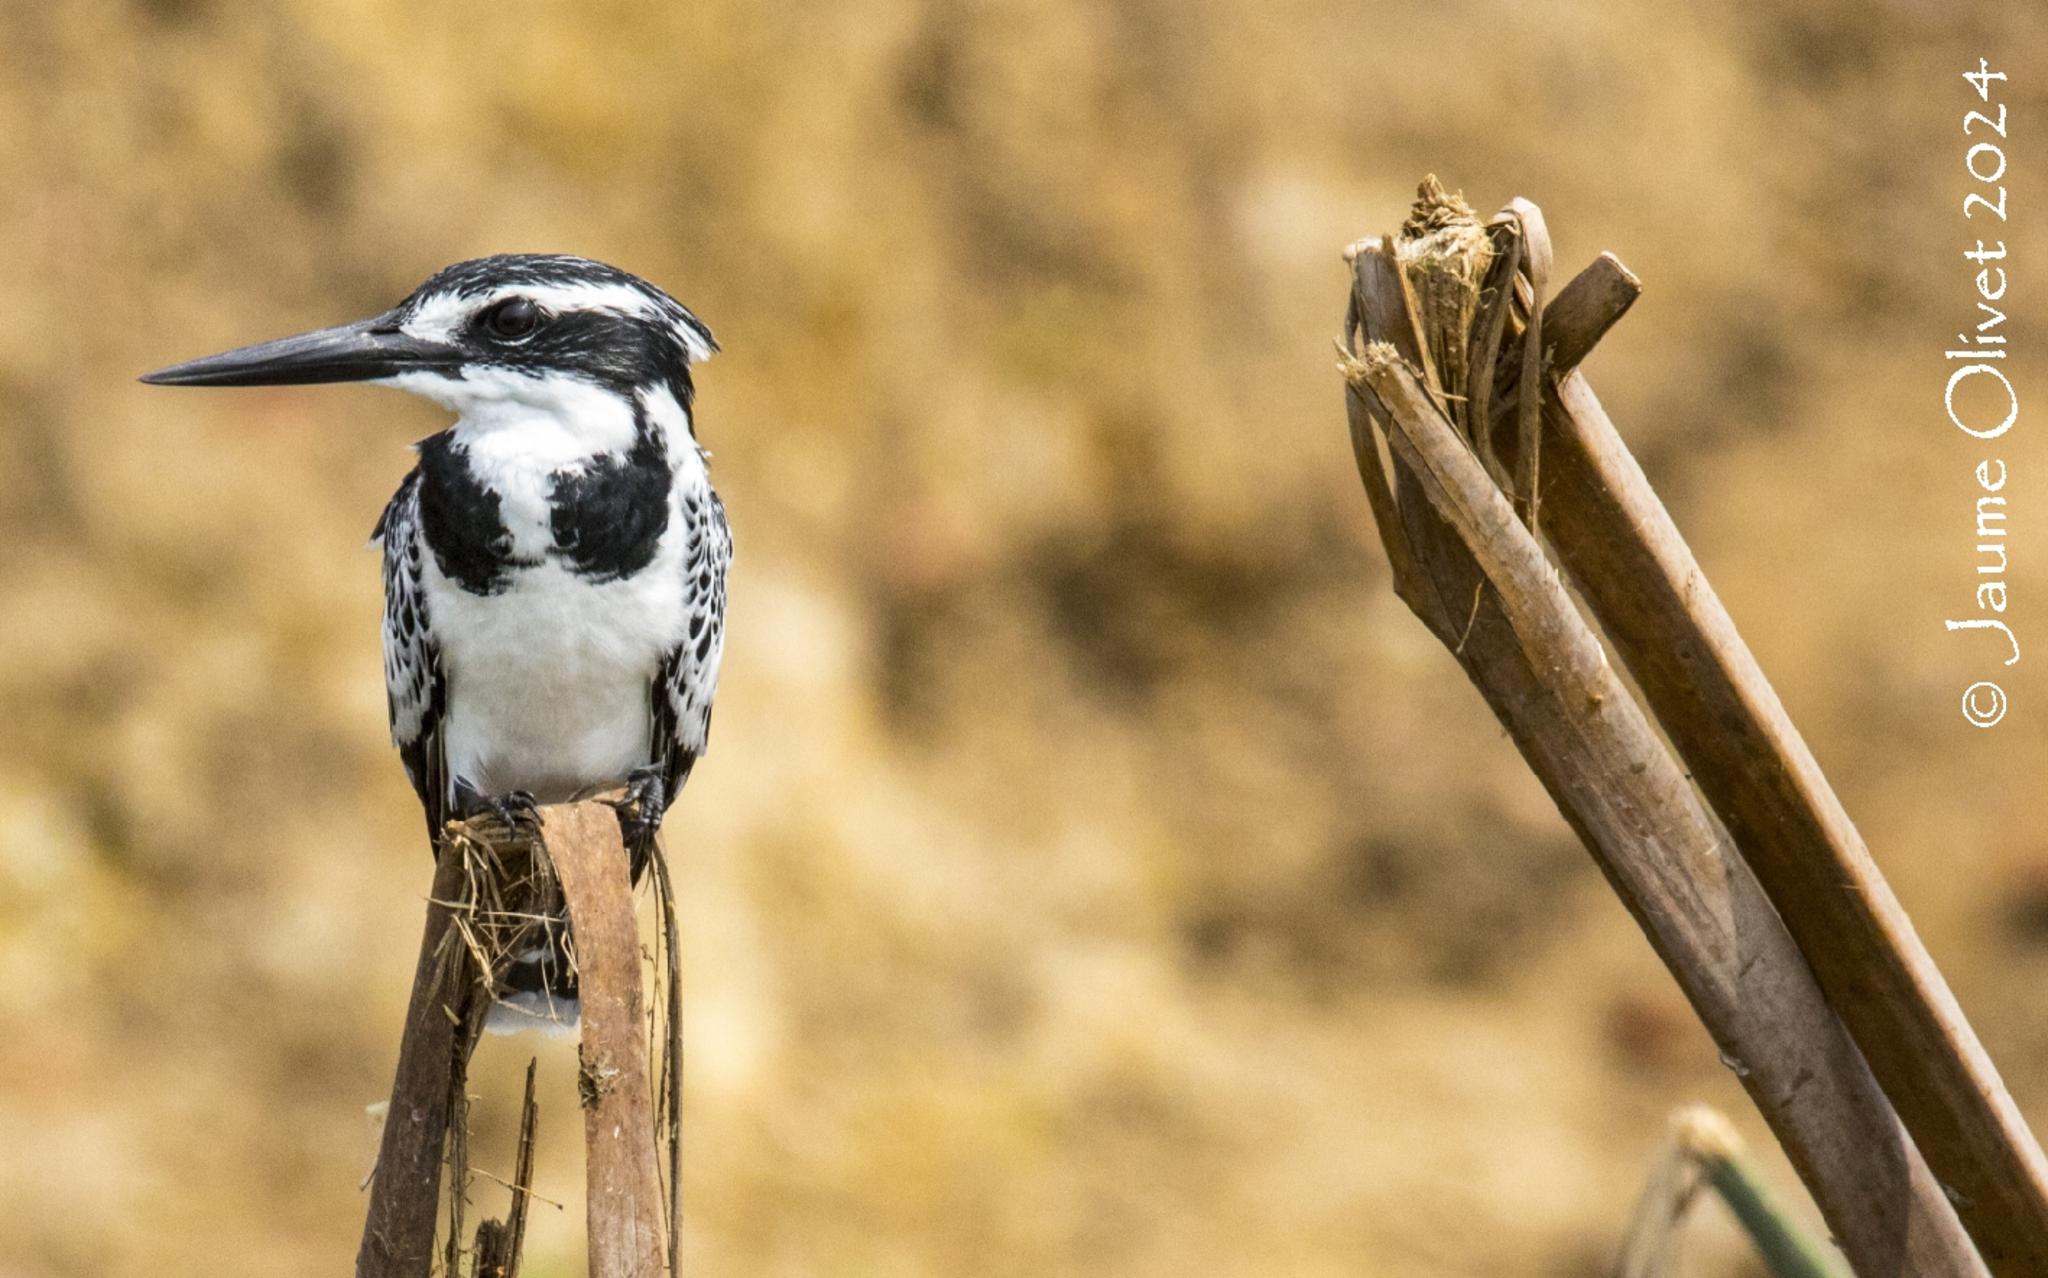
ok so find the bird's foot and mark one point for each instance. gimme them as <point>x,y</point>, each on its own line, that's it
<point>640,811</point>
<point>518,811</point>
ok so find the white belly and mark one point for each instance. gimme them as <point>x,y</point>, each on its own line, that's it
<point>548,681</point>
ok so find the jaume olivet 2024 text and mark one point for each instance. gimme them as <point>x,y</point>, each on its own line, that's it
<point>1980,397</point>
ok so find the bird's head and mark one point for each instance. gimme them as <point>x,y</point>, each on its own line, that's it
<point>530,331</point>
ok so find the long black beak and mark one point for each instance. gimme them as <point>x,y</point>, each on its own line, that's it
<point>356,352</point>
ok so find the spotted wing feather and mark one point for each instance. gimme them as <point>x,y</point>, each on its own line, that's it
<point>688,681</point>
<point>416,691</point>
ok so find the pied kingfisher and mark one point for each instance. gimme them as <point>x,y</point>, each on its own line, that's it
<point>554,566</point>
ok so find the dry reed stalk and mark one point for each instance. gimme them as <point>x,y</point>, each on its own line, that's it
<point>626,1236</point>
<point>670,974</point>
<point>498,892</point>
<point>1442,251</point>
<point>398,1231</point>
<point>501,1245</point>
<point>1523,642</point>
<point>1638,576</point>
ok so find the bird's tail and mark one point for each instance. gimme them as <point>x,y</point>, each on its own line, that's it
<point>536,986</point>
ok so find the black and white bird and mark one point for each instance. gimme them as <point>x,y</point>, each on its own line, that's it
<point>554,566</point>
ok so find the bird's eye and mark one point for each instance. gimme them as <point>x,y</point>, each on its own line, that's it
<point>513,318</point>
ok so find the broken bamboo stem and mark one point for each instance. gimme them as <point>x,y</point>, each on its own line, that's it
<point>1544,673</point>
<point>1639,578</point>
<point>626,1238</point>
<point>405,1188</point>
<point>484,878</point>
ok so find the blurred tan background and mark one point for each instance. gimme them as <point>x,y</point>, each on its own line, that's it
<point>1096,871</point>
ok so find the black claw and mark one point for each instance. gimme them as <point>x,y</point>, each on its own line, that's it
<point>518,812</point>
<point>640,811</point>
<point>523,804</point>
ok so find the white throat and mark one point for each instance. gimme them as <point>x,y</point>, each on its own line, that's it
<point>549,422</point>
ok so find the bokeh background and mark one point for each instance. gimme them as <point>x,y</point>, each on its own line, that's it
<point>1096,871</point>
